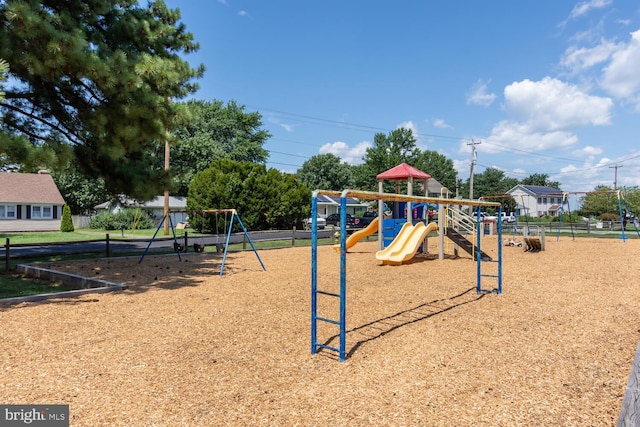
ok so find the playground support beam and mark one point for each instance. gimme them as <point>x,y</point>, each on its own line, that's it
<point>392,197</point>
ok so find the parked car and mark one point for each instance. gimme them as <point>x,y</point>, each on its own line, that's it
<point>334,219</point>
<point>321,223</point>
<point>484,216</point>
<point>366,218</point>
<point>508,217</point>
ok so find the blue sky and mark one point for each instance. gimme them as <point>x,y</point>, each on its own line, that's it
<point>546,86</point>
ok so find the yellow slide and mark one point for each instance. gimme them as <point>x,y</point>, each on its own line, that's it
<point>405,231</point>
<point>405,246</point>
<point>355,237</point>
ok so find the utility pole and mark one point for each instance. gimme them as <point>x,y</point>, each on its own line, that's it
<point>615,179</point>
<point>166,191</point>
<point>473,144</point>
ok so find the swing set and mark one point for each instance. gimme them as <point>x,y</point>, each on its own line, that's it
<point>623,210</point>
<point>199,247</point>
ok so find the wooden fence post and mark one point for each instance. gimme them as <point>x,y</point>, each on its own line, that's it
<point>108,249</point>
<point>293,237</point>
<point>186,241</point>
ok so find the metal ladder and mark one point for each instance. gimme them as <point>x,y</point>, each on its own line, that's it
<point>341,295</point>
<point>480,260</point>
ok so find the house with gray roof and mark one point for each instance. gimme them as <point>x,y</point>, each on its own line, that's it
<point>29,202</point>
<point>536,200</point>
<point>177,207</point>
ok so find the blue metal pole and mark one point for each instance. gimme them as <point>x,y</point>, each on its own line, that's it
<point>246,233</point>
<point>175,241</point>
<point>500,249</point>
<point>478,257</point>
<point>226,243</point>
<point>343,277</point>
<point>151,241</point>
<point>314,272</point>
<point>622,236</point>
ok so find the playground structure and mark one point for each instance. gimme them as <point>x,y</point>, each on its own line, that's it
<point>354,238</point>
<point>404,248</point>
<point>406,244</point>
<point>200,247</point>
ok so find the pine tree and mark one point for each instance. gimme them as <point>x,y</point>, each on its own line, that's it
<point>66,225</point>
<point>101,75</point>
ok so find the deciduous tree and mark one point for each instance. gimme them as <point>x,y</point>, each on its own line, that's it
<point>215,131</point>
<point>264,198</point>
<point>541,179</point>
<point>325,172</point>
<point>387,151</point>
<point>439,167</point>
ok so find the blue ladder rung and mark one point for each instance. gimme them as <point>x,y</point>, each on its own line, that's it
<point>328,320</point>
<point>328,293</point>
<point>490,275</point>
<point>327,347</point>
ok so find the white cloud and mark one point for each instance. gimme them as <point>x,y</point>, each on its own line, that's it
<point>585,6</point>
<point>276,120</point>
<point>463,168</point>
<point>578,59</point>
<point>243,13</point>
<point>351,155</point>
<point>509,134</point>
<point>551,105</point>
<point>587,151</point>
<point>479,95</point>
<point>543,115</point>
<point>409,125</point>
<point>224,2</point>
<point>621,77</point>
<point>288,128</point>
<point>440,123</point>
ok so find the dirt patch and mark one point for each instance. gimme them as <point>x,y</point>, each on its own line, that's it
<point>184,346</point>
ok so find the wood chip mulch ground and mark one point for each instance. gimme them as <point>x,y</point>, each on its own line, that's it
<point>184,346</point>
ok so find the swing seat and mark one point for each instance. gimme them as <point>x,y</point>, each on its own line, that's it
<point>198,248</point>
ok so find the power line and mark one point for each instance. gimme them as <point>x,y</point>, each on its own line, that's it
<point>367,128</point>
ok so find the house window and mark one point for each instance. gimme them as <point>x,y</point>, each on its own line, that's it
<point>544,200</point>
<point>539,200</point>
<point>42,212</point>
<point>7,211</point>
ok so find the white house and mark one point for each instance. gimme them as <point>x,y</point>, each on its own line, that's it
<point>536,200</point>
<point>177,206</point>
<point>328,205</point>
<point>29,202</point>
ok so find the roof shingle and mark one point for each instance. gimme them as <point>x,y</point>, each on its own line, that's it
<point>27,188</point>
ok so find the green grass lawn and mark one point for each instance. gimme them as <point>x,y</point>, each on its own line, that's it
<point>83,235</point>
<point>14,285</point>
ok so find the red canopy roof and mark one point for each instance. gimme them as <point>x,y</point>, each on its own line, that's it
<point>403,171</point>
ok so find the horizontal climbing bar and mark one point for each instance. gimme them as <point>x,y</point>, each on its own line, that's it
<point>331,294</point>
<point>328,320</point>
<point>328,347</point>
